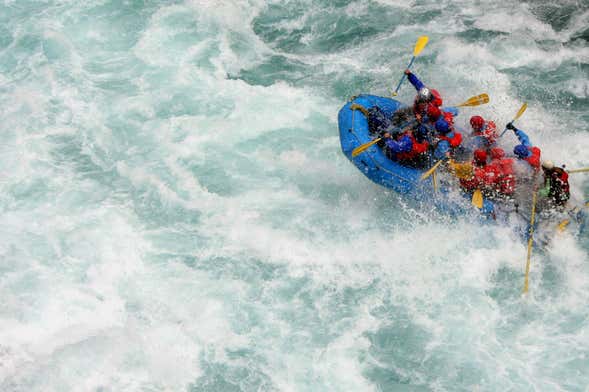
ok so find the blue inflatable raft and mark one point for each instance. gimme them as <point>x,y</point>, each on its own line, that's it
<point>374,164</point>
<point>353,130</point>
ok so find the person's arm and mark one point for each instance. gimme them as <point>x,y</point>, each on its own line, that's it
<point>414,80</point>
<point>403,145</point>
<point>441,149</point>
<point>521,135</point>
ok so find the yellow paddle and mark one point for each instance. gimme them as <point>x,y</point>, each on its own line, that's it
<point>518,115</point>
<point>419,45</point>
<point>586,169</point>
<point>530,243</point>
<point>477,199</point>
<point>476,100</point>
<point>463,171</point>
<point>431,170</point>
<point>360,149</point>
<point>563,225</point>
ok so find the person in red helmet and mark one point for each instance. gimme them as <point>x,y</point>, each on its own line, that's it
<point>504,171</point>
<point>479,177</point>
<point>484,133</point>
<point>425,96</point>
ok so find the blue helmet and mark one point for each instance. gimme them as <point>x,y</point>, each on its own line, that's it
<point>421,132</point>
<point>521,151</point>
<point>442,126</point>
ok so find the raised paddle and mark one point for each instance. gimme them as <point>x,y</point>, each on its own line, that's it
<point>518,115</point>
<point>419,45</point>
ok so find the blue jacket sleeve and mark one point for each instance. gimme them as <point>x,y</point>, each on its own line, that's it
<point>441,150</point>
<point>523,138</point>
<point>403,145</point>
<point>415,82</point>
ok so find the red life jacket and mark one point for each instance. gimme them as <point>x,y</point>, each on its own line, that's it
<point>476,181</point>
<point>454,141</point>
<point>449,117</point>
<point>416,149</point>
<point>505,178</point>
<point>437,98</point>
<point>489,132</point>
<point>534,159</point>
<point>559,185</point>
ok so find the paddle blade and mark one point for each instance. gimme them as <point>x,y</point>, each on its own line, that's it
<point>477,199</point>
<point>476,100</point>
<point>462,170</point>
<point>563,225</point>
<point>520,111</point>
<point>360,149</point>
<point>420,44</point>
<point>431,170</point>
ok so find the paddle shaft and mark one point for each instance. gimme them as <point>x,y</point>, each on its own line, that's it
<point>530,243</point>
<point>518,115</point>
<point>403,77</point>
<point>579,170</point>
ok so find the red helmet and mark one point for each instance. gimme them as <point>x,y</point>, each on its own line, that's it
<point>477,123</point>
<point>433,112</point>
<point>480,156</point>
<point>437,98</point>
<point>497,153</point>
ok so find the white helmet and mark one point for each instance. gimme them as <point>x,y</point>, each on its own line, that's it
<point>547,165</point>
<point>424,95</point>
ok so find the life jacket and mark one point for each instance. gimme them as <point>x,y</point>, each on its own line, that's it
<point>476,181</point>
<point>453,141</point>
<point>437,98</point>
<point>559,185</point>
<point>505,176</point>
<point>449,117</point>
<point>416,149</point>
<point>488,132</point>
<point>534,159</point>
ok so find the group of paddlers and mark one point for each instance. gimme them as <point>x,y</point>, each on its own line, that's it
<point>419,135</point>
